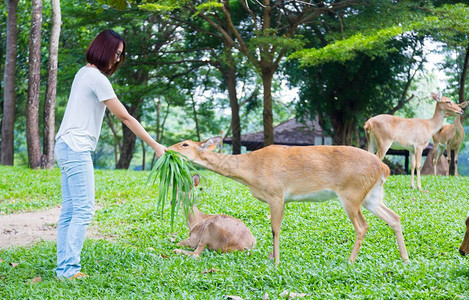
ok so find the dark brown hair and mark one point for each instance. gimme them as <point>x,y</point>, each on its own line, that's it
<point>102,51</point>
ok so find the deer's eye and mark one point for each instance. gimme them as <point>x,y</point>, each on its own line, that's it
<point>185,145</point>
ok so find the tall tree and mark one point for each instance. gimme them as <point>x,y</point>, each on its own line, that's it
<point>343,96</point>
<point>269,37</point>
<point>9,98</point>
<point>34,78</point>
<point>47,160</point>
<point>222,58</point>
<point>264,31</point>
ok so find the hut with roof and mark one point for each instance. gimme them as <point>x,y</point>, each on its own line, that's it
<point>290,133</point>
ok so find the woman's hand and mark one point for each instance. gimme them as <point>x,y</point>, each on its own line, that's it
<point>159,150</point>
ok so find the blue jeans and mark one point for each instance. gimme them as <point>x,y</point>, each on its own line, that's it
<point>77,206</point>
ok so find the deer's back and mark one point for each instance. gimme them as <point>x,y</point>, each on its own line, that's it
<point>224,233</point>
<point>308,168</point>
<point>405,131</point>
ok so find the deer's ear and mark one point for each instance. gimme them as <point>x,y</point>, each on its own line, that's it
<point>436,96</point>
<point>211,144</point>
<point>464,104</point>
<point>196,179</point>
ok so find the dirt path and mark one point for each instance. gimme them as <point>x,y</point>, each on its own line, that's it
<point>24,229</point>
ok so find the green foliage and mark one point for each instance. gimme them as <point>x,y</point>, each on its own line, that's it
<point>119,4</point>
<point>173,172</point>
<point>342,51</point>
<point>209,6</point>
<point>447,21</point>
<point>137,261</point>
<point>450,18</point>
<point>345,95</point>
<point>162,5</point>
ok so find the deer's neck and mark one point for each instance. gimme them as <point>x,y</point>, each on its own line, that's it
<point>436,122</point>
<point>458,128</point>
<point>194,217</point>
<point>232,166</point>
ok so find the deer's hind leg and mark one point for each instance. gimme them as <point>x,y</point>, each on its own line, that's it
<point>383,147</point>
<point>353,209</point>
<point>437,153</point>
<point>374,203</point>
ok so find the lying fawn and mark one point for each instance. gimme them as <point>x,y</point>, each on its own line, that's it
<point>216,232</point>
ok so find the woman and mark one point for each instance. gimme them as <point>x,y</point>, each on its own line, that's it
<point>76,139</point>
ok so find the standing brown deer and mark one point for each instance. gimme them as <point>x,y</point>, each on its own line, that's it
<point>387,131</point>
<point>216,232</point>
<point>450,137</point>
<point>277,175</point>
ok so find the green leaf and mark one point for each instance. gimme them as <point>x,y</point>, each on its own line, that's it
<point>174,173</point>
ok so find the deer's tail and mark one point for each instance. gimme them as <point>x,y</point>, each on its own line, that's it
<point>369,138</point>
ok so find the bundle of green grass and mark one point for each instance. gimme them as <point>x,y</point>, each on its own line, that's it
<point>173,171</point>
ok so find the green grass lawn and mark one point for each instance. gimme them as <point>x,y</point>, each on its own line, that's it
<point>315,243</point>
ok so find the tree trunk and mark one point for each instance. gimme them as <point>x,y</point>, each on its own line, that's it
<point>159,126</point>
<point>8,120</point>
<point>268,121</point>
<point>144,152</point>
<point>343,130</point>
<point>229,74</point>
<point>462,84</point>
<point>32,110</point>
<point>49,105</point>
<point>128,146</point>
<point>117,143</point>
<point>128,142</point>
<point>196,120</point>
<point>235,120</point>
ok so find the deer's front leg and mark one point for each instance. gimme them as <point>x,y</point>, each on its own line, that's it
<point>188,253</point>
<point>456,154</point>
<point>418,158</point>
<point>412,169</point>
<point>277,207</point>
<point>185,242</point>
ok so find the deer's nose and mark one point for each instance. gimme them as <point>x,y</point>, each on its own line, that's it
<point>462,252</point>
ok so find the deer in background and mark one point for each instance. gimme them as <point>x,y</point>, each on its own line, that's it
<point>464,249</point>
<point>278,175</point>
<point>387,131</point>
<point>216,232</point>
<point>450,137</point>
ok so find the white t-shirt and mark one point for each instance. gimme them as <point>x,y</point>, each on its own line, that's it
<point>81,124</point>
